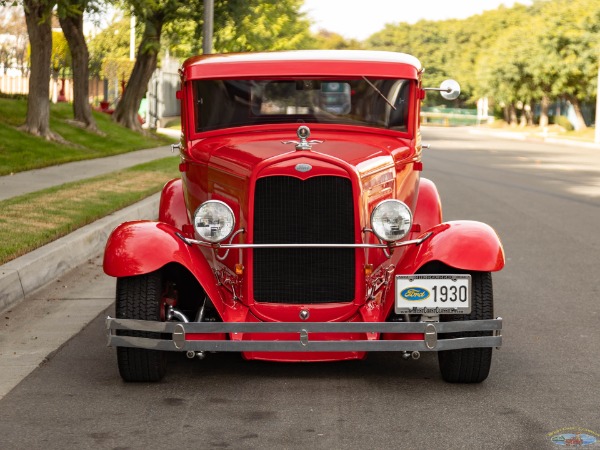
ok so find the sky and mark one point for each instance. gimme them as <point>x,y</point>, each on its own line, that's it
<point>359,19</point>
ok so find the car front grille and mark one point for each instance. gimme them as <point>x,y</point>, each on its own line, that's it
<point>319,210</point>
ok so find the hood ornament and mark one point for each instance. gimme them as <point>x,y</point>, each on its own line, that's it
<point>303,134</point>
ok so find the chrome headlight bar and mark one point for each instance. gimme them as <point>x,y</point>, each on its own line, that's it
<point>389,245</point>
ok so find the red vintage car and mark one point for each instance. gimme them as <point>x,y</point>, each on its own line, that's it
<point>301,228</point>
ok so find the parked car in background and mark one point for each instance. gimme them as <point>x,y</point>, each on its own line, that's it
<point>301,228</point>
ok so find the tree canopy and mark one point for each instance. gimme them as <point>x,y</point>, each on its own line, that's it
<point>524,55</point>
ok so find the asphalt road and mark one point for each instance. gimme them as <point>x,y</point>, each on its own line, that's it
<point>544,201</point>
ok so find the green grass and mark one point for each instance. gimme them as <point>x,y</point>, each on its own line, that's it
<point>585,135</point>
<point>20,151</point>
<point>32,220</point>
<point>173,124</point>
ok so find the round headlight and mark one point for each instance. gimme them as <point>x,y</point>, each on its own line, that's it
<point>391,220</point>
<point>214,221</point>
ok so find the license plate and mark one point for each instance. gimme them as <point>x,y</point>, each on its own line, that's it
<point>433,294</point>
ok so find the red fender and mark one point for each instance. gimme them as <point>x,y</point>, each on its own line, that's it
<point>428,212</point>
<point>464,244</point>
<point>140,247</point>
<point>172,209</point>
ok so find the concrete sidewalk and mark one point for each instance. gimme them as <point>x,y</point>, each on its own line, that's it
<point>527,136</point>
<point>38,179</point>
<point>24,275</point>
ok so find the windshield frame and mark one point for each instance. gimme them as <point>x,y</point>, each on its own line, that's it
<point>369,91</point>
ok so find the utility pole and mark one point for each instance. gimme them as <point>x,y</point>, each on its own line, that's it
<point>207,30</point>
<point>597,125</point>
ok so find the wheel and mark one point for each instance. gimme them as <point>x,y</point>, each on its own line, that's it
<point>139,297</point>
<point>470,365</point>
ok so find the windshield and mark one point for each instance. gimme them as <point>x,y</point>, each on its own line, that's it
<point>372,102</point>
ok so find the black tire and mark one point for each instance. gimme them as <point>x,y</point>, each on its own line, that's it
<point>139,297</point>
<point>470,365</point>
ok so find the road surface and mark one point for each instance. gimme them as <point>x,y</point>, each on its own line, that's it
<point>544,202</point>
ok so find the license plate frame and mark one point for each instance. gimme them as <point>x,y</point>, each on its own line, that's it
<point>433,294</point>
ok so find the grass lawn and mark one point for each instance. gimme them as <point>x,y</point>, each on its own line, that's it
<point>32,220</point>
<point>20,151</point>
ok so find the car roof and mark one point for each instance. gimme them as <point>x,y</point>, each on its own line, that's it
<point>302,63</point>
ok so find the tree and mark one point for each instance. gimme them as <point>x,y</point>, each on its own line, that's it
<point>328,40</point>
<point>259,25</point>
<point>426,40</point>
<point>60,58</point>
<point>70,16</point>
<point>119,69</point>
<point>38,14</point>
<point>240,26</point>
<point>13,45</point>
<point>153,16</point>
<point>569,45</point>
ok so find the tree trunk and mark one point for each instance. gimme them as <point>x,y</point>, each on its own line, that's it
<point>37,18</point>
<point>544,107</point>
<point>126,112</point>
<point>523,119</point>
<point>72,27</point>
<point>506,114</point>
<point>512,111</point>
<point>528,109</point>
<point>579,120</point>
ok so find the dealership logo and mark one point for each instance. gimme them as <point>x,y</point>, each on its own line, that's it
<point>414,294</point>
<point>574,437</point>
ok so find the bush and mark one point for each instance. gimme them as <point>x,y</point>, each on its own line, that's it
<point>13,96</point>
<point>563,122</point>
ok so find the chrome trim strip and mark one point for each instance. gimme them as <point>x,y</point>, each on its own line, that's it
<point>190,241</point>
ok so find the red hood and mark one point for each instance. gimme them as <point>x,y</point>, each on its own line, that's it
<point>241,153</point>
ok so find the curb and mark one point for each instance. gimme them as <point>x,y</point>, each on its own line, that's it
<point>24,275</point>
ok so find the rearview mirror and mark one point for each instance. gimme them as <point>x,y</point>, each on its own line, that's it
<point>450,89</point>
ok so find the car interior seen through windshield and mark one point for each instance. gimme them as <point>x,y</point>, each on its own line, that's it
<point>381,103</point>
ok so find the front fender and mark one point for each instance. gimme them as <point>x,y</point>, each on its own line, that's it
<point>464,245</point>
<point>172,209</point>
<point>428,212</point>
<point>140,247</point>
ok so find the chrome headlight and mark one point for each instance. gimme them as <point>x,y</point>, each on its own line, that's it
<point>391,220</point>
<point>214,221</point>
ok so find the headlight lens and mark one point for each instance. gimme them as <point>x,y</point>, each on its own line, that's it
<point>214,221</point>
<point>391,220</point>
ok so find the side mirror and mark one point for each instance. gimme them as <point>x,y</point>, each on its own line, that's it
<point>449,89</point>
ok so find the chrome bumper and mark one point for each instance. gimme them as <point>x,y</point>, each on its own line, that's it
<point>430,330</point>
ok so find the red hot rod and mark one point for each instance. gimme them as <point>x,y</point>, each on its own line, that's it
<point>301,229</point>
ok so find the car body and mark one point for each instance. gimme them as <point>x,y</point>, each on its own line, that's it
<point>301,228</point>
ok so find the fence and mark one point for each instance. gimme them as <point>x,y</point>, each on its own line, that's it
<point>61,89</point>
<point>449,117</point>
<point>161,100</point>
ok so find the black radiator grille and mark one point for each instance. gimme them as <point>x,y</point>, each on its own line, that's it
<point>319,210</point>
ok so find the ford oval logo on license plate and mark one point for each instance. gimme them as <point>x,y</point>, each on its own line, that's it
<point>303,167</point>
<point>414,294</point>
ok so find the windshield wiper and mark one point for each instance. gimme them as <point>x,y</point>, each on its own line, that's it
<point>379,92</point>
